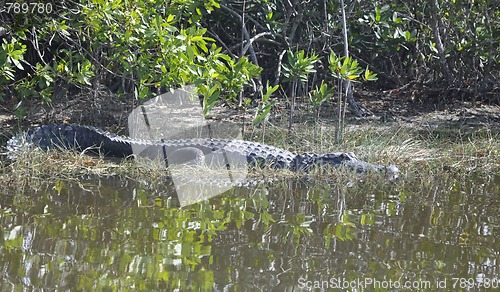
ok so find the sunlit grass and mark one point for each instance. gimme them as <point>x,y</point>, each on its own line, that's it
<point>417,152</point>
<point>419,155</point>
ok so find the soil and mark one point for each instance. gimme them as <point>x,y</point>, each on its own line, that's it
<point>106,110</point>
<point>417,111</point>
<point>100,108</point>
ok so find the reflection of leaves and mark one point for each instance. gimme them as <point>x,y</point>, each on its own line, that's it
<point>14,243</point>
<point>266,218</point>
<point>240,216</point>
<point>367,219</point>
<point>341,231</point>
<point>58,186</point>
<point>345,232</point>
<point>125,260</point>
<point>261,204</point>
<point>297,226</point>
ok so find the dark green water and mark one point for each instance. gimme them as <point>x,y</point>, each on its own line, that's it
<point>114,234</point>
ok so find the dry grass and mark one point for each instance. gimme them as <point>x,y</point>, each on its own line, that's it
<point>418,154</point>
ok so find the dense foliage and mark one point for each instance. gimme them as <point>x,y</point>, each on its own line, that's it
<point>140,48</point>
<point>439,44</point>
<point>131,47</point>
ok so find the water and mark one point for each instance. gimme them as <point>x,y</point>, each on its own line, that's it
<point>113,233</point>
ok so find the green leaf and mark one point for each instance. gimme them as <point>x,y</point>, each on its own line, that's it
<point>370,76</point>
<point>17,64</point>
<point>197,38</point>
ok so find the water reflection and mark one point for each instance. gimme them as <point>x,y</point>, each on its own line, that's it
<point>117,233</point>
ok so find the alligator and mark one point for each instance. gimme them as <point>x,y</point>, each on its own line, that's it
<point>86,138</point>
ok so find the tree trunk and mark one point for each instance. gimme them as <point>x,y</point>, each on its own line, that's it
<point>436,28</point>
<point>292,106</point>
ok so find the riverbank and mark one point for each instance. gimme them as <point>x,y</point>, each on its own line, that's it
<point>420,153</point>
<point>456,139</point>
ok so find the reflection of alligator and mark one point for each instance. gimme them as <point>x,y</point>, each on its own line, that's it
<point>83,137</point>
